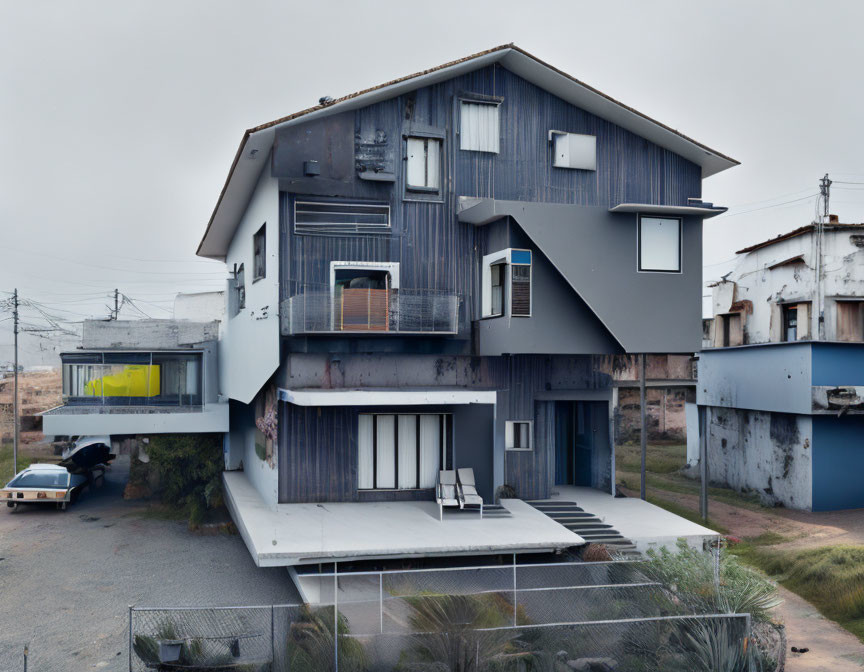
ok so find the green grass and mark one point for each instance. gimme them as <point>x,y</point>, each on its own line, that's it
<point>661,458</point>
<point>831,578</point>
<point>7,471</point>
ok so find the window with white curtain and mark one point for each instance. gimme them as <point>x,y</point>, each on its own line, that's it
<point>401,451</point>
<point>479,127</point>
<point>424,164</point>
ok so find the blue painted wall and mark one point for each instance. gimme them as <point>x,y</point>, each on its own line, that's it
<point>838,363</point>
<point>838,463</point>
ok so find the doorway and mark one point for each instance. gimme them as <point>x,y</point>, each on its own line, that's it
<point>582,452</point>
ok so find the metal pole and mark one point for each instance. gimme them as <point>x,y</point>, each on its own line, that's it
<point>130,638</point>
<point>514,590</point>
<point>272,635</point>
<point>26,654</point>
<point>15,392</point>
<point>381,599</point>
<point>336,616</point>
<point>643,433</point>
<point>703,462</point>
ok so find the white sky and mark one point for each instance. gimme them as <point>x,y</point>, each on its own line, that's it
<point>119,119</point>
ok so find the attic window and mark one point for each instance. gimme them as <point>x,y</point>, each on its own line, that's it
<point>479,126</point>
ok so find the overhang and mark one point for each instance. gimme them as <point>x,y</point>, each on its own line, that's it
<point>669,210</point>
<point>251,156</point>
<point>385,397</point>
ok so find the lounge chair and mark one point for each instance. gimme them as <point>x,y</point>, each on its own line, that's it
<point>466,491</point>
<point>445,491</point>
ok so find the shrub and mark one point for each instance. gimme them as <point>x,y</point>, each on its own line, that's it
<point>190,471</point>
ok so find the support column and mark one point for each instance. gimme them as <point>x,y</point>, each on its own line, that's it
<point>643,431</point>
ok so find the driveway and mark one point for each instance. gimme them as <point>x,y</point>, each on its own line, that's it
<point>68,578</point>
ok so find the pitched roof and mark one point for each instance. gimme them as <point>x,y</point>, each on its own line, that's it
<point>799,232</point>
<point>256,142</point>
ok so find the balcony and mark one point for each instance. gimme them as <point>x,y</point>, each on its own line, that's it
<point>370,311</point>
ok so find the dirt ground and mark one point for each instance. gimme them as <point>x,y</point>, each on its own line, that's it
<point>68,578</point>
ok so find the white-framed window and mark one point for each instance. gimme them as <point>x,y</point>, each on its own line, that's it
<point>659,244</point>
<point>519,435</point>
<point>423,164</point>
<point>573,150</point>
<point>401,451</point>
<point>479,126</point>
<point>506,284</point>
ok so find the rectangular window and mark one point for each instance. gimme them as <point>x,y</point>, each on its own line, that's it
<point>259,249</point>
<point>850,321</point>
<point>401,451</point>
<point>660,244</point>
<point>423,169</point>
<point>518,435</point>
<point>573,150</point>
<point>341,217</point>
<point>520,283</point>
<point>479,129</point>
<point>790,323</point>
<point>498,273</point>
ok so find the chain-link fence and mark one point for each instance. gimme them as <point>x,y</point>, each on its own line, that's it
<point>517,617</point>
<point>37,655</point>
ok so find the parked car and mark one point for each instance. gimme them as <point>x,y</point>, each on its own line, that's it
<point>46,484</point>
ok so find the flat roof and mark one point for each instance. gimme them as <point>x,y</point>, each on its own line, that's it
<point>386,396</point>
<point>298,534</point>
<point>651,209</point>
<point>808,228</point>
<point>256,142</point>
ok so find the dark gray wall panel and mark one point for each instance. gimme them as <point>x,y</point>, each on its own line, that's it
<point>474,444</point>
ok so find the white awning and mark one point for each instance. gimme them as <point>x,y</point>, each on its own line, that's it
<point>650,209</point>
<point>385,397</point>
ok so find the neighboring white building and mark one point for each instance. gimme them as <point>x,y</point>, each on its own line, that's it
<point>783,385</point>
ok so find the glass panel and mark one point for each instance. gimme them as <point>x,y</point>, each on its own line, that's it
<point>430,449</point>
<point>364,453</point>
<point>36,479</point>
<point>407,451</point>
<point>659,244</point>
<point>385,445</point>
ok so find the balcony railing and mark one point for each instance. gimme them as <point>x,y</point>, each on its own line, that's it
<point>372,311</point>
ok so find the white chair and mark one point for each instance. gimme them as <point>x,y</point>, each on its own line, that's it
<point>445,491</point>
<point>466,491</point>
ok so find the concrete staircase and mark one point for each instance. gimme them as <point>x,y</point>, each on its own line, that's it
<point>587,525</point>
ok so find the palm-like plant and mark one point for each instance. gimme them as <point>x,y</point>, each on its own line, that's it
<point>311,645</point>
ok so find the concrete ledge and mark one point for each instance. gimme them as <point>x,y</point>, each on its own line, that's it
<point>152,420</point>
<point>296,534</point>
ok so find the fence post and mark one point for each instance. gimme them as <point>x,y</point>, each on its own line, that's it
<point>336,616</point>
<point>130,638</point>
<point>514,590</point>
<point>381,599</point>
<point>272,636</point>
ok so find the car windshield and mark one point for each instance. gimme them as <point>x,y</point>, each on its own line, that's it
<point>35,479</point>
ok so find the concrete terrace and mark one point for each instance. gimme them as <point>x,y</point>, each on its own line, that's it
<point>646,525</point>
<point>296,534</point>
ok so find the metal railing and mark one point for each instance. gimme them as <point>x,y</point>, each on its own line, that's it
<point>374,311</point>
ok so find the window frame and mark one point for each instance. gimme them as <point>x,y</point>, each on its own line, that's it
<point>259,235</point>
<point>477,99</point>
<point>426,138</point>
<point>504,258</point>
<point>785,312</point>
<point>510,435</point>
<point>639,267</point>
<point>341,229</point>
<point>445,441</point>
<point>238,289</point>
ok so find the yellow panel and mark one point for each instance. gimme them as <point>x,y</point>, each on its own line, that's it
<point>130,381</point>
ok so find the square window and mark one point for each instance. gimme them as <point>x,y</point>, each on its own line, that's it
<point>479,129</point>
<point>518,435</point>
<point>259,247</point>
<point>239,289</point>
<point>660,244</point>
<point>423,170</point>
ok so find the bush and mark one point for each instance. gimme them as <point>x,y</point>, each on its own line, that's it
<point>190,472</point>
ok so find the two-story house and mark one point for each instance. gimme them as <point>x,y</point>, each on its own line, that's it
<point>783,385</point>
<point>435,273</point>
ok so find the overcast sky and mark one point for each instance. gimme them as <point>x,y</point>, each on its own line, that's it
<point>119,120</point>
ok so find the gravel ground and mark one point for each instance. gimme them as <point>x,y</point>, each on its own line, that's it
<point>67,578</point>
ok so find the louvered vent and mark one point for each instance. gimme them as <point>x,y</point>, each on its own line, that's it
<point>521,291</point>
<point>339,218</point>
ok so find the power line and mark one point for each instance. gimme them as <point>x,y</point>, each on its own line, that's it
<point>776,205</point>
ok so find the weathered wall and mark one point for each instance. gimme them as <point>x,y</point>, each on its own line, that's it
<point>753,280</point>
<point>262,473</point>
<point>146,334</point>
<point>768,453</point>
<point>200,306</point>
<point>250,343</point>
<point>665,409</point>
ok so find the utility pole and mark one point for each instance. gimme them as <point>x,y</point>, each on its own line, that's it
<point>116,312</point>
<point>15,387</point>
<point>825,193</point>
